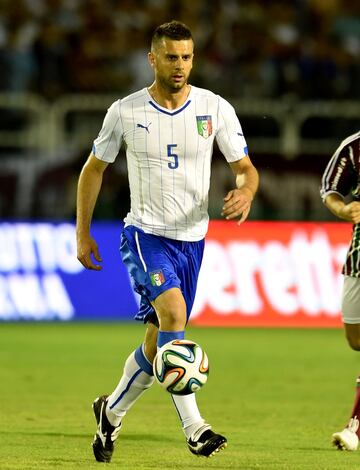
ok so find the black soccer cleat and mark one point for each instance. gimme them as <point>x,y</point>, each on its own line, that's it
<point>207,444</point>
<point>106,434</point>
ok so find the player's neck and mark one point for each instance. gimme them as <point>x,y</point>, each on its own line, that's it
<point>168,99</point>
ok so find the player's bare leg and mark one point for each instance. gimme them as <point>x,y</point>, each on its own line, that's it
<point>170,309</point>
<point>352,333</point>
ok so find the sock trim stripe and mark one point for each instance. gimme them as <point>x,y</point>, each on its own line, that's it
<point>166,336</point>
<point>140,358</point>
<point>177,410</point>
<point>126,389</point>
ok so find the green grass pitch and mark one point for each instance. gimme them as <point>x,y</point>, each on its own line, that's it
<point>277,394</point>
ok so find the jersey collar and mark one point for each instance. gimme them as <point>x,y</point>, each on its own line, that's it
<point>165,110</point>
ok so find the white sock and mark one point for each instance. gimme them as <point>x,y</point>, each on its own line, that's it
<point>137,377</point>
<point>188,412</point>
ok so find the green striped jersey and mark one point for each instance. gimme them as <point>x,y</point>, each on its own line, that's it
<point>342,176</point>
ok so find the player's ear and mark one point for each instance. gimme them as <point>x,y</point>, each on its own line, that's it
<point>151,59</point>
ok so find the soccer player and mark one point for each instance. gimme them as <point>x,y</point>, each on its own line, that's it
<point>168,130</point>
<point>341,179</point>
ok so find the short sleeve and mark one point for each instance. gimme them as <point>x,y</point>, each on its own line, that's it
<point>229,135</point>
<point>339,176</point>
<point>107,144</point>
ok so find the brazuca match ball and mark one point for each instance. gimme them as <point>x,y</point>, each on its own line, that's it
<point>181,367</point>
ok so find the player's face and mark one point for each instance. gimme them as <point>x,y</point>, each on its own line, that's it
<point>172,63</point>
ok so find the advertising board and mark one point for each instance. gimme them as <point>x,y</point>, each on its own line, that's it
<point>272,274</point>
<point>257,274</point>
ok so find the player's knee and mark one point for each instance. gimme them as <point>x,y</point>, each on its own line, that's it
<point>170,308</point>
<point>172,318</point>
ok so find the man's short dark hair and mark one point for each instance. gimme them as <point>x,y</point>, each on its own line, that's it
<point>174,30</point>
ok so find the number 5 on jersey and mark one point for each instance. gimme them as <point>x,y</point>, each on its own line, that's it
<point>174,163</point>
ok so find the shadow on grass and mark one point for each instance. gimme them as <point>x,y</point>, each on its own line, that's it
<point>122,437</point>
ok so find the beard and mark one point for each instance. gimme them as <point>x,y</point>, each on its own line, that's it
<point>172,86</point>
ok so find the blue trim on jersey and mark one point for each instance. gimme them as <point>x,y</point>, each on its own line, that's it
<point>126,389</point>
<point>142,361</point>
<point>166,336</point>
<point>168,112</point>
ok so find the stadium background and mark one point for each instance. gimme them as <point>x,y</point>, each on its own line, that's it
<point>291,69</point>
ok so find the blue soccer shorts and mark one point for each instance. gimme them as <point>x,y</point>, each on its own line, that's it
<point>156,264</point>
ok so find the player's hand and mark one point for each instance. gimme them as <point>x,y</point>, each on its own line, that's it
<point>351,212</point>
<point>237,203</point>
<point>87,249</point>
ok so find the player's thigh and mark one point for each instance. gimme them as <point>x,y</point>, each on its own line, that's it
<point>189,272</point>
<point>350,308</point>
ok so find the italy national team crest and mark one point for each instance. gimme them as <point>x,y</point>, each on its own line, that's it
<point>204,126</point>
<point>157,278</point>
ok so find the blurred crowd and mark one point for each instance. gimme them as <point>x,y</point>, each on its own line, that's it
<point>259,48</point>
<point>307,49</point>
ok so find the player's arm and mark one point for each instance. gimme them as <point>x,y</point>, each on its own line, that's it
<point>237,202</point>
<point>89,185</point>
<point>338,180</point>
<point>336,204</point>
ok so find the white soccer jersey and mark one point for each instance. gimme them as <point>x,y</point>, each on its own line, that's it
<point>169,157</point>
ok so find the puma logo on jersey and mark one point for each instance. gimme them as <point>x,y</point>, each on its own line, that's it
<point>144,127</point>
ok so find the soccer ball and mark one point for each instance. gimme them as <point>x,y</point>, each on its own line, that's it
<point>181,367</point>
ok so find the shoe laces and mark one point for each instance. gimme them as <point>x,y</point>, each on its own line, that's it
<point>353,425</point>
